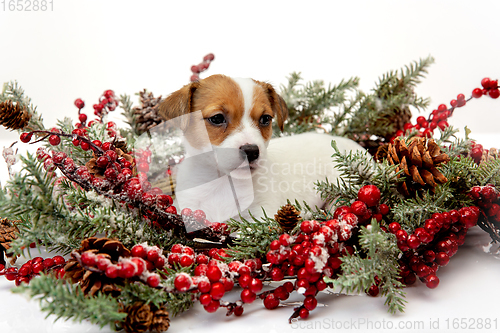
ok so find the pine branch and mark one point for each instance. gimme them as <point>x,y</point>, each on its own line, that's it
<point>378,258</point>
<point>254,237</point>
<point>356,170</point>
<point>488,172</point>
<point>412,213</point>
<point>13,91</point>
<point>67,301</point>
<point>309,102</point>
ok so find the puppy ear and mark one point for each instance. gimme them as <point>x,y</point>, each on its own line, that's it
<point>178,103</point>
<point>278,104</point>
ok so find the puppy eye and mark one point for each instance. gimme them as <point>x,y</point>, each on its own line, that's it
<point>217,119</point>
<point>265,120</point>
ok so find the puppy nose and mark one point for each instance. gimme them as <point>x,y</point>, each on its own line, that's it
<point>250,151</point>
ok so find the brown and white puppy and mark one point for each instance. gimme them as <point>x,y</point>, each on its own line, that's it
<point>231,165</point>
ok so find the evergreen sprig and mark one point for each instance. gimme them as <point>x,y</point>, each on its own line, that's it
<point>356,170</point>
<point>67,301</point>
<point>377,258</point>
<point>253,238</point>
<point>308,102</point>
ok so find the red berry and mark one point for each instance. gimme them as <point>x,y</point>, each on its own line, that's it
<point>205,299</point>
<point>476,93</point>
<point>238,311</point>
<point>303,313</point>
<point>271,302</point>
<point>342,210</point>
<point>212,306</point>
<point>153,280</point>
<point>276,274</point>
<point>485,82</point>
<point>494,93</point>
<point>79,103</point>
<point>401,235</point>
<point>373,290</point>
<point>413,241</point>
<point>383,209</point>
<point>209,57</point>
<point>153,254</point>
<point>255,285</point>
<point>217,291</point>
<point>84,145</point>
<point>182,282</point>
<point>394,227</point>
<point>199,215</point>
<point>195,69</point>
<point>468,217</point>
<point>442,258</point>
<point>54,140</point>
<point>214,274</point>
<point>26,137</point>
<point>247,296</point>
<point>127,270</point>
<point>186,261</point>
<point>370,195</point>
<point>359,208</point>
<point>432,281</point>
<point>109,93</point>
<point>442,107</point>
<point>112,272</point>
<point>204,287</point>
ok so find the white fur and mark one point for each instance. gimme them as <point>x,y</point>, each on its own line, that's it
<point>225,186</point>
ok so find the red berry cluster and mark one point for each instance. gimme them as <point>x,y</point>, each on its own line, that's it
<point>201,67</point>
<point>119,181</point>
<point>490,87</point>
<point>143,159</point>
<point>213,277</point>
<point>33,268</point>
<point>488,199</point>
<point>140,265</point>
<point>439,116</point>
<point>366,206</point>
<point>432,246</point>
<point>107,103</point>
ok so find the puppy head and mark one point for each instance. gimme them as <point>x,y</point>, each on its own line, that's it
<point>236,114</point>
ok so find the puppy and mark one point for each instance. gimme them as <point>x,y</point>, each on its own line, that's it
<point>231,166</point>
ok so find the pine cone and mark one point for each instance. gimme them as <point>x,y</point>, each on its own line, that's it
<point>146,115</point>
<point>13,116</point>
<point>287,217</point>
<point>8,232</point>
<point>419,160</point>
<point>161,320</point>
<point>92,282</point>
<point>139,317</point>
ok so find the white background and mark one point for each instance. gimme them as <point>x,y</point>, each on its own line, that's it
<point>81,48</point>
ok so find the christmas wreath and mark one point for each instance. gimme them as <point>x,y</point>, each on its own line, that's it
<point>100,196</point>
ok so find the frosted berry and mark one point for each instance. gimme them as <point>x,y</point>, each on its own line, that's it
<point>153,280</point>
<point>370,195</point>
<point>182,282</point>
